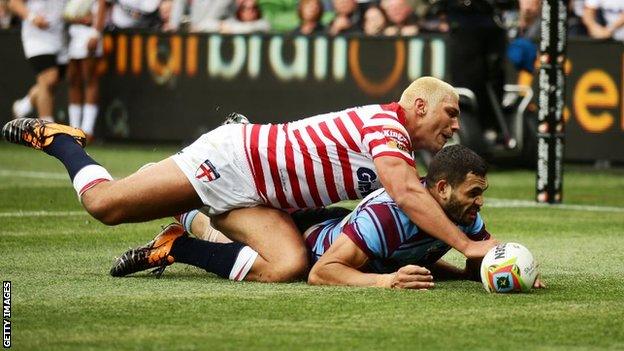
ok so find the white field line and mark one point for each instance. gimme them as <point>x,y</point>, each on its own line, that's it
<point>508,203</point>
<point>30,174</point>
<point>490,202</point>
<point>18,214</point>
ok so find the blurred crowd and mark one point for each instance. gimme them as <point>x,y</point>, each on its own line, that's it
<point>595,18</point>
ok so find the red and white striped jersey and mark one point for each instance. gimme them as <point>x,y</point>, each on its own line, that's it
<point>326,158</point>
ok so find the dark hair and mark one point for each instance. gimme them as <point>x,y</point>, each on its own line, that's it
<point>453,163</point>
<point>240,8</point>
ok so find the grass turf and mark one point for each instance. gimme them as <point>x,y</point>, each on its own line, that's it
<point>63,298</point>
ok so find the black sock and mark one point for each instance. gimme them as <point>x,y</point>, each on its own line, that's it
<point>70,153</point>
<point>218,258</point>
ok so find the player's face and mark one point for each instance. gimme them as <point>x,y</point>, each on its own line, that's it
<point>466,200</point>
<point>442,123</point>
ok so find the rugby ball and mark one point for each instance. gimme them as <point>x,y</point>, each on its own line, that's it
<point>76,9</point>
<point>508,268</point>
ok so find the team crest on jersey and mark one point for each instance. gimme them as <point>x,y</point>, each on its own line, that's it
<point>206,172</point>
<point>396,139</point>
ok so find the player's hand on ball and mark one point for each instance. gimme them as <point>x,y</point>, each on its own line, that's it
<point>412,277</point>
<point>539,284</point>
<point>478,249</point>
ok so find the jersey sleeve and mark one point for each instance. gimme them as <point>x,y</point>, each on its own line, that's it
<point>377,230</point>
<point>383,135</point>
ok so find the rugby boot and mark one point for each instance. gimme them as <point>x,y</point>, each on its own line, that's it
<point>38,133</point>
<point>154,254</point>
<point>235,118</point>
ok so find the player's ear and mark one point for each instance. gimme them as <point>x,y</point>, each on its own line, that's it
<point>444,189</point>
<point>420,106</point>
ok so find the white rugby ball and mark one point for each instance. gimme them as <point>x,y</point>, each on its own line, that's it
<point>507,268</point>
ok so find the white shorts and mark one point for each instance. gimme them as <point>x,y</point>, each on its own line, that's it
<point>217,167</point>
<point>79,36</point>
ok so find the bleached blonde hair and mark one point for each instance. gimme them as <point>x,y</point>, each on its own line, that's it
<point>430,89</point>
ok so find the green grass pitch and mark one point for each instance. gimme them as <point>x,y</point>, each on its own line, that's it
<point>57,259</point>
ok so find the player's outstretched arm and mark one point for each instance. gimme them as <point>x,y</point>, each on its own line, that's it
<point>341,263</point>
<point>403,185</point>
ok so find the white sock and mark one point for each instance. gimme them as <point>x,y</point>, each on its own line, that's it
<point>75,112</point>
<point>89,115</point>
<point>47,118</point>
<point>88,177</point>
<point>244,261</point>
<point>23,107</point>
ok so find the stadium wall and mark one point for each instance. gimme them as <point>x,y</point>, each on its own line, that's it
<point>158,87</point>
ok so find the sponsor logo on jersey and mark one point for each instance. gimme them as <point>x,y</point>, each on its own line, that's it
<point>367,178</point>
<point>206,172</point>
<point>396,139</point>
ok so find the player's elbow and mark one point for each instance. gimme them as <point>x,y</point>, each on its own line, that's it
<point>320,274</point>
<point>314,278</point>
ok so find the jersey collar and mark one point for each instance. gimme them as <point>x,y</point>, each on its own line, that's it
<point>395,107</point>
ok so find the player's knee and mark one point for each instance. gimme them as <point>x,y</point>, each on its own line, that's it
<point>107,211</point>
<point>74,80</point>
<point>290,268</point>
<point>48,80</point>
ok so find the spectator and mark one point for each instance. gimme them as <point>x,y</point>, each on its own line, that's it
<point>248,20</point>
<point>430,18</point>
<point>43,40</point>
<point>401,18</point>
<point>310,13</point>
<point>164,13</point>
<point>477,46</point>
<point>85,47</point>
<point>374,21</point>
<point>282,15</point>
<point>127,14</point>
<point>347,18</point>
<point>613,13</point>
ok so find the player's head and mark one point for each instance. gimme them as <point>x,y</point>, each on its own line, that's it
<point>433,107</point>
<point>457,180</point>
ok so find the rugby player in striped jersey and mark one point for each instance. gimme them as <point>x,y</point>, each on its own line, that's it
<point>374,245</point>
<point>245,175</point>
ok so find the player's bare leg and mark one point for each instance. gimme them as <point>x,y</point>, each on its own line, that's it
<point>282,255</point>
<point>278,253</point>
<point>155,192</point>
<point>75,93</point>
<point>46,83</point>
<point>267,231</point>
<point>91,95</point>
